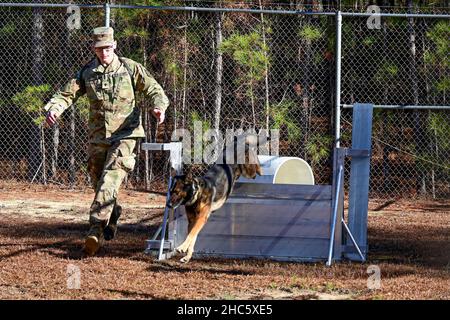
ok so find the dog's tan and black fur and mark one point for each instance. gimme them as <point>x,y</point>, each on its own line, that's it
<point>203,195</point>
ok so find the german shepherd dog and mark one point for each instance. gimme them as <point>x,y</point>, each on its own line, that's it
<point>203,195</point>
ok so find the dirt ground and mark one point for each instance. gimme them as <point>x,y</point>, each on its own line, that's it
<point>42,229</point>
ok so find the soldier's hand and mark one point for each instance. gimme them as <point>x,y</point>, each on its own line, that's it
<point>51,118</point>
<point>159,115</point>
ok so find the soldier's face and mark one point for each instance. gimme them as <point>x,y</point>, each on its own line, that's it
<point>105,54</point>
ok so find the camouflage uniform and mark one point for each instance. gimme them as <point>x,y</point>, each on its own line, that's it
<point>114,122</point>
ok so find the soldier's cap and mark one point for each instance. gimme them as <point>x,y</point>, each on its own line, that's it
<point>103,37</point>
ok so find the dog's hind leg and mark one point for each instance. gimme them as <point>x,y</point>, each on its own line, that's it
<point>199,223</point>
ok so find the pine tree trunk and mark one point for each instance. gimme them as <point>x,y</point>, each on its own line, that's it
<point>42,140</point>
<point>63,56</point>
<point>415,95</point>
<point>146,153</point>
<point>385,130</point>
<point>145,121</point>
<point>66,49</point>
<point>72,167</point>
<point>219,72</point>
<point>252,99</point>
<point>266,76</point>
<point>54,159</point>
<point>306,82</point>
<point>434,144</point>
<point>184,79</point>
<point>36,147</point>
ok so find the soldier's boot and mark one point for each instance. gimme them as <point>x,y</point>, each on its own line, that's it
<point>93,239</point>
<point>111,229</point>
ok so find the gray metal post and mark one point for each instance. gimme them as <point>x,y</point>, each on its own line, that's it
<point>403,107</point>
<point>107,14</point>
<point>335,213</point>
<point>165,219</point>
<point>337,120</point>
<point>359,177</point>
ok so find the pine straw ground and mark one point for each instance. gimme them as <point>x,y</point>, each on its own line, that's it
<point>41,233</point>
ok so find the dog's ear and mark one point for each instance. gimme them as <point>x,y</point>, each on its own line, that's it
<point>175,180</point>
<point>251,139</point>
<point>252,166</point>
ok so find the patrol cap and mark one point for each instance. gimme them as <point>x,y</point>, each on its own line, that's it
<point>103,37</point>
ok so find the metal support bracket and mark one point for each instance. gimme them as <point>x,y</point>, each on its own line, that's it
<point>175,149</point>
<point>363,259</point>
<point>357,153</point>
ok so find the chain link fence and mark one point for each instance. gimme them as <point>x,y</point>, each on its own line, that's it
<point>403,63</point>
<point>40,54</point>
<point>234,70</point>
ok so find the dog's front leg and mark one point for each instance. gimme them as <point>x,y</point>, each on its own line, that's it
<point>198,225</point>
<point>191,216</point>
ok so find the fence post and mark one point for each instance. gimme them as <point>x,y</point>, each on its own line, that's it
<point>337,120</point>
<point>358,201</point>
<point>107,14</point>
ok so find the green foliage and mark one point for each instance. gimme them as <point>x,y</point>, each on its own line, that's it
<point>439,125</point>
<point>347,33</point>
<point>319,147</point>
<point>154,3</point>
<point>249,52</point>
<point>137,55</point>
<point>429,57</point>
<point>440,35</point>
<point>195,116</point>
<point>3,103</point>
<point>195,32</point>
<point>382,119</point>
<point>368,41</point>
<point>282,117</point>
<point>439,55</point>
<point>8,29</point>
<point>318,58</point>
<point>391,69</point>
<point>346,137</point>
<point>150,2</point>
<point>172,67</point>
<point>387,72</point>
<point>206,125</point>
<point>31,100</point>
<point>83,107</point>
<point>443,85</point>
<point>133,31</point>
<point>310,33</point>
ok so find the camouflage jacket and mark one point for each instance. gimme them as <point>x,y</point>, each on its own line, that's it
<point>113,113</point>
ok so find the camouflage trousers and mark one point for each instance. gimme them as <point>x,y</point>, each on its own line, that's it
<point>108,164</point>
